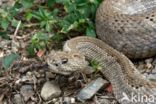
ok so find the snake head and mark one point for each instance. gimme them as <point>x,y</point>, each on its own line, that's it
<point>66,62</point>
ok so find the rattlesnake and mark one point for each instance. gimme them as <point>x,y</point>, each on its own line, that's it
<point>129,26</point>
<point>138,40</point>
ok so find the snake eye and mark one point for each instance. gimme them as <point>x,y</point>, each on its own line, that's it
<point>64,60</point>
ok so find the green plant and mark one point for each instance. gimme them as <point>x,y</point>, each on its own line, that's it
<point>80,16</point>
<point>8,14</point>
<point>47,19</point>
<point>8,60</point>
<point>95,65</point>
<point>59,17</point>
<point>38,42</point>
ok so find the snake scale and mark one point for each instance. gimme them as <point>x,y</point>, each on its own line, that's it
<point>124,27</point>
<point>129,26</point>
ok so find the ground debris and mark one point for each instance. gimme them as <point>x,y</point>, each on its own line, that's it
<point>50,90</point>
<point>91,89</point>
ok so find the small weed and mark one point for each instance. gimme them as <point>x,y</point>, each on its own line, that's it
<point>47,19</point>
<point>95,65</point>
<point>58,17</point>
<point>38,42</point>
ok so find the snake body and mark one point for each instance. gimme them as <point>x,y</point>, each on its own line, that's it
<point>124,27</point>
<point>116,67</point>
<point>128,26</point>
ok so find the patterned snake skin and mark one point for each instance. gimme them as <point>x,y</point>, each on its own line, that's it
<point>129,86</point>
<point>128,26</point>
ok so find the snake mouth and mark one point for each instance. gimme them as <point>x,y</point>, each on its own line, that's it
<point>57,70</point>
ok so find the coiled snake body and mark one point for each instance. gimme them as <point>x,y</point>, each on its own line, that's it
<point>130,28</point>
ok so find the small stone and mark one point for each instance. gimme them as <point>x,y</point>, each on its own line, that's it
<point>67,100</point>
<point>18,99</point>
<point>148,63</point>
<point>154,62</point>
<point>37,74</point>
<point>28,79</point>
<point>54,100</point>
<point>154,70</point>
<point>88,91</point>
<point>29,73</point>
<point>4,43</point>
<point>140,67</point>
<point>148,66</point>
<point>152,77</point>
<point>56,103</point>
<point>27,92</point>
<point>149,60</point>
<point>72,100</point>
<point>104,101</point>
<point>50,90</point>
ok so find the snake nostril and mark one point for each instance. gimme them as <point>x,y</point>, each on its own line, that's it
<point>56,64</point>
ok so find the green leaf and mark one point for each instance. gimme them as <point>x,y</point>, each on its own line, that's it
<point>4,35</point>
<point>14,22</point>
<point>95,65</point>
<point>28,16</point>
<point>48,27</point>
<point>27,3</point>
<point>8,60</point>
<point>30,50</point>
<point>51,2</point>
<point>90,32</point>
<point>57,37</point>
<point>5,24</point>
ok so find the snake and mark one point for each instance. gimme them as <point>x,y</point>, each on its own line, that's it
<point>128,26</point>
<point>126,30</point>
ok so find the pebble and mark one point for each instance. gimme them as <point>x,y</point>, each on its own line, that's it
<point>50,90</point>
<point>152,77</point>
<point>27,92</point>
<point>72,100</point>
<point>69,100</point>
<point>104,101</point>
<point>150,60</point>
<point>18,99</point>
<point>154,70</point>
<point>154,62</point>
<point>149,63</point>
<point>91,89</point>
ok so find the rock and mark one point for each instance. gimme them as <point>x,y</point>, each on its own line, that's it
<point>152,77</point>
<point>50,90</point>
<point>150,60</point>
<point>154,70</point>
<point>4,43</point>
<point>69,100</point>
<point>72,100</point>
<point>140,67</point>
<point>88,91</point>
<point>148,63</point>
<point>104,101</point>
<point>18,99</point>
<point>27,92</point>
